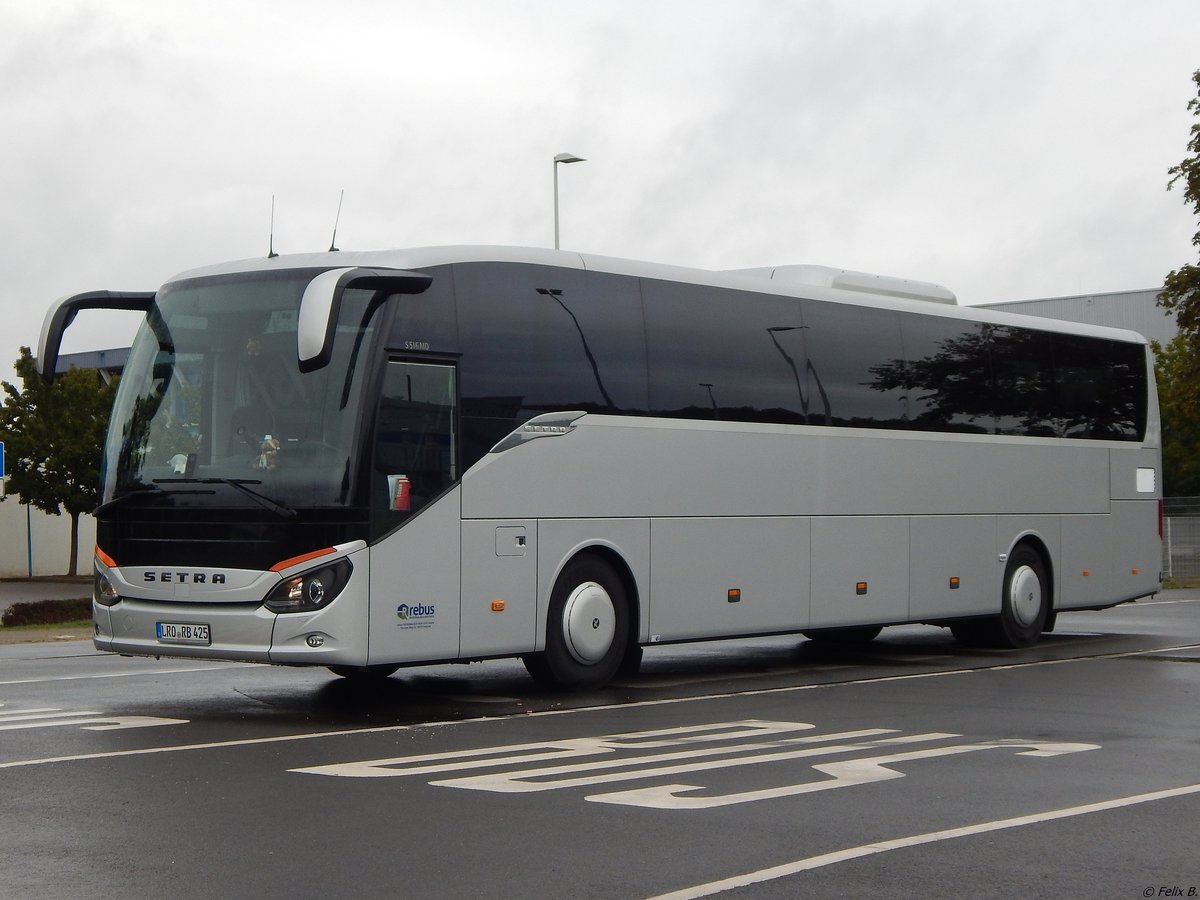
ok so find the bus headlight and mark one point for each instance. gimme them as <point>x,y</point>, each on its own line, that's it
<point>103,591</point>
<point>310,591</point>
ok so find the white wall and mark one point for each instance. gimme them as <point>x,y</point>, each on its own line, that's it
<point>50,542</point>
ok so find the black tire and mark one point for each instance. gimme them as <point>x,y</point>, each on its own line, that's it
<point>1024,601</point>
<point>587,627</point>
<point>1024,606</point>
<point>844,637</point>
<point>363,673</point>
<point>631,663</point>
<point>1051,621</point>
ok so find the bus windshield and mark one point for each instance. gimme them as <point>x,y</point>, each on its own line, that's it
<point>212,403</point>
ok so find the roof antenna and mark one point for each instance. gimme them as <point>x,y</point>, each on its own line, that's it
<point>333,241</point>
<point>271,254</point>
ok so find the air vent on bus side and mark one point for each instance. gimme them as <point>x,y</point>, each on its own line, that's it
<point>847,280</point>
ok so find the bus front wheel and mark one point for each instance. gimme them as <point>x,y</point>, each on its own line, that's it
<point>587,627</point>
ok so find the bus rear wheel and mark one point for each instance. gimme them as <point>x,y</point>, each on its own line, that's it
<point>587,627</point>
<point>1024,606</point>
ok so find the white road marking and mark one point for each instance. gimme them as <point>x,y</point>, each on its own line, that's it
<point>673,752</point>
<point>570,747</point>
<point>480,720</point>
<point>521,782</point>
<point>88,719</point>
<point>844,774</point>
<point>35,714</point>
<point>99,722</point>
<point>172,671</point>
<point>828,859</point>
<point>25,713</point>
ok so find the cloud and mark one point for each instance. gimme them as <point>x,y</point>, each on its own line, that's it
<point>1006,150</point>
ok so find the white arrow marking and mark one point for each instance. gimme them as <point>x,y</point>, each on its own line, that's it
<point>844,774</point>
<point>89,719</point>
<point>520,782</point>
<point>50,713</point>
<point>518,754</point>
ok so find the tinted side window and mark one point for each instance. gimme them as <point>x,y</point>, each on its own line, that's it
<point>845,348</point>
<point>1022,381</point>
<point>945,373</point>
<point>1101,388</point>
<point>537,339</point>
<point>426,322</point>
<point>416,441</point>
<point>720,354</point>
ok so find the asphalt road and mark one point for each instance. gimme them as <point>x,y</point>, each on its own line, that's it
<point>764,768</point>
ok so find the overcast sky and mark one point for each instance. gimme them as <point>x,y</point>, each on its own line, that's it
<point>1008,150</point>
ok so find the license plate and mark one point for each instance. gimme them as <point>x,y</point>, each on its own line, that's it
<point>180,633</point>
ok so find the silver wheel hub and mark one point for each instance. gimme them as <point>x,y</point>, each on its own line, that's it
<point>589,623</point>
<point>1025,595</point>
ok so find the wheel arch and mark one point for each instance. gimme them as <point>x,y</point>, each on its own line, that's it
<point>613,557</point>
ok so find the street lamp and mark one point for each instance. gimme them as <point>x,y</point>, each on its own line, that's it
<point>561,158</point>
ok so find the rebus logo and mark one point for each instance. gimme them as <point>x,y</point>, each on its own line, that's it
<point>405,612</point>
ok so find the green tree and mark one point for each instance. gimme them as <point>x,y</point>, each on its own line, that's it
<point>54,438</point>
<point>1178,364</point>
<point>1181,290</point>
<point>1178,379</point>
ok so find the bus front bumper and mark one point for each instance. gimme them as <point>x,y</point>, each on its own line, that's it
<point>237,632</point>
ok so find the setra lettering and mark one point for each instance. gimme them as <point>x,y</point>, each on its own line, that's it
<point>183,577</point>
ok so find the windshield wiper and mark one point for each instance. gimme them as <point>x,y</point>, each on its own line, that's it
<point>140,491</point>
<point>239,484</point>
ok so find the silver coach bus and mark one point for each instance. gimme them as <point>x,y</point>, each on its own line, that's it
<point>377,459</point>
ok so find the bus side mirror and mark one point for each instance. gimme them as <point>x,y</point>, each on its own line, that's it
<point>321,306</point>
<point>63,313</point>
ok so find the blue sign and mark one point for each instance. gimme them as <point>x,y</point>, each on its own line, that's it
<point>1,459</point>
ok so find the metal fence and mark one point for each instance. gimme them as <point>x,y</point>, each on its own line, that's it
<point>1181,537</point>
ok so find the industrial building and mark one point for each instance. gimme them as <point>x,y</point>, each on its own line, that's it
<point>1134,310</point>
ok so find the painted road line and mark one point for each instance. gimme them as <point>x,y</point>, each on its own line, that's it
<point>641,755</point>
<point>828,859</point>
<point>88,719</point>
<point>523,781</point>
<point>172,671</point>
<point>668,701</point>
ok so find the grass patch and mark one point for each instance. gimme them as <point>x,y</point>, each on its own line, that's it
<point>56,626</point>
<point>48,613</point>
<point>1181,582</point>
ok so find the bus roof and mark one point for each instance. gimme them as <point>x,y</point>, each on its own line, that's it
<point>815,282</point>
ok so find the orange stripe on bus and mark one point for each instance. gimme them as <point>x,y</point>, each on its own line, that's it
<point>303,558</point>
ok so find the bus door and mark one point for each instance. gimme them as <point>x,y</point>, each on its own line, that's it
<point>415,469</point>
<point>416,438</point>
